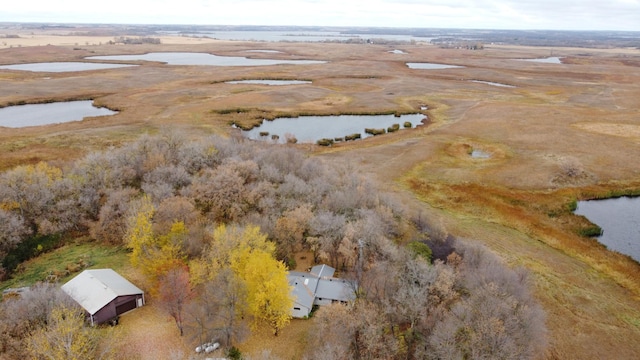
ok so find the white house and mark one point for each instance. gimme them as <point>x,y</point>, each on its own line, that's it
<point>318,287</point>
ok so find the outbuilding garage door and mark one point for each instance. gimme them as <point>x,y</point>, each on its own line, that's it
<point>123,308</point>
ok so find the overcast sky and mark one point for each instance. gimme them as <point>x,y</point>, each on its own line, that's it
<point>478,14</point>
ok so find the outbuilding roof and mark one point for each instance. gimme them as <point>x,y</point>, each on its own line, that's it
<point>93,289</point>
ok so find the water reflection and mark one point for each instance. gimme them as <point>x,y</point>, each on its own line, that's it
<point>431,66</point>
<point>63,66</point>
<point>189,58</point>
<point>270,82</point>
<point>314,128</point>
<point>492,83</point>
<point>547,60</point>
<point>52,113</point>
<point>619,219</point>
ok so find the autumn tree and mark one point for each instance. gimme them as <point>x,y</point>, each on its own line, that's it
<point>250,256</point>
<point>290,230</point>
<point>219,311</point>
<point>155,255</point>
<point>111,226</point>
<point>66,337</point>
<point>174,294</point>
<point>268,291</point>
<point>25,313</point>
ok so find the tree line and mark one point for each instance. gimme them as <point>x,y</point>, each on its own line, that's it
<point>222,218</point>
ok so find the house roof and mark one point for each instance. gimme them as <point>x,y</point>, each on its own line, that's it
<point>335,289</point>
<point>323,271</point>
<point>302,293</point>
<point>320,284</point>
<point>93,289</point>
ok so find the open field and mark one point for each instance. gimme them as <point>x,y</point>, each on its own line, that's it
<point>564,132</point>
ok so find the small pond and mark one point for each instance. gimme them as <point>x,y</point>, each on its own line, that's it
<point>308,129</point>
<point>189,58</point>
<point>63,66</point>
<point>547,60</point>
<point>264,51</point>
<point>431,66</point>
<point>619,219</point>
<point>492,83</point>
<point>397,51</point>
<point>270,82</point>
<point>53,113</point>
<point>479,154</point>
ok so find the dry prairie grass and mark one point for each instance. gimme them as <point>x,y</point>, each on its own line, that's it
<point>512,202</point>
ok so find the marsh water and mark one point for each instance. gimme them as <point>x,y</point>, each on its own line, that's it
<point>63,66</point>
<point>53,113</point>
<point>313,128</point>
<point>270,82</point>
<point>547,60</point>
<point>192,58</point>
<point>431,66</point>
<point>619,219</point>
<point>492,83</point>
<point>298,36</point>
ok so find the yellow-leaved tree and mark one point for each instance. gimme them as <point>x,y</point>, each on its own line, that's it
<point>154,255</point>
<point>268,292</point>
<point>139,237</point>
<point>66,337</point>
<point>250,256</point>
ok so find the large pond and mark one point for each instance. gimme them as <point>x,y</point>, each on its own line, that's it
<point>270,82</point>
<point>313,128</point>
<point>63,66</point>
<point>52,113</point>
<point>190,58</point>
<point>431,66</point>
<point>619,219</point>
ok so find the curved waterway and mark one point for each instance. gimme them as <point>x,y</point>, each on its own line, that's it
<point>619,219</point>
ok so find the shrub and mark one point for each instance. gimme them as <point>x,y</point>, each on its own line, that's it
<point>420,249</point>
<point>374,132</point>
<point>264,133</point>
<point>393,128</point>
<point>590,231</point>
<point>407,124</point>
<point>234,354</point>
<point>353,137</point>
<point>325,142</point>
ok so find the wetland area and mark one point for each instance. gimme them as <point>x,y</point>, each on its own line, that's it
<point>509,144</point>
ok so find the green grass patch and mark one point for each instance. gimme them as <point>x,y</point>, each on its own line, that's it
<point>66,262</point>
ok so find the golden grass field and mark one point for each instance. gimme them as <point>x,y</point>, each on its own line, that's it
<point>585,112</point>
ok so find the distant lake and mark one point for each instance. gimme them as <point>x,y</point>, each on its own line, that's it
<point>547,60</point>
<point>189,58</point>
<point>619,219</point>
<point>296,36</point>
<point>313,128</point>
<point>62,66</point>
<point>431,66</point>
<point>270,82</point>
<point>52,113</point>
